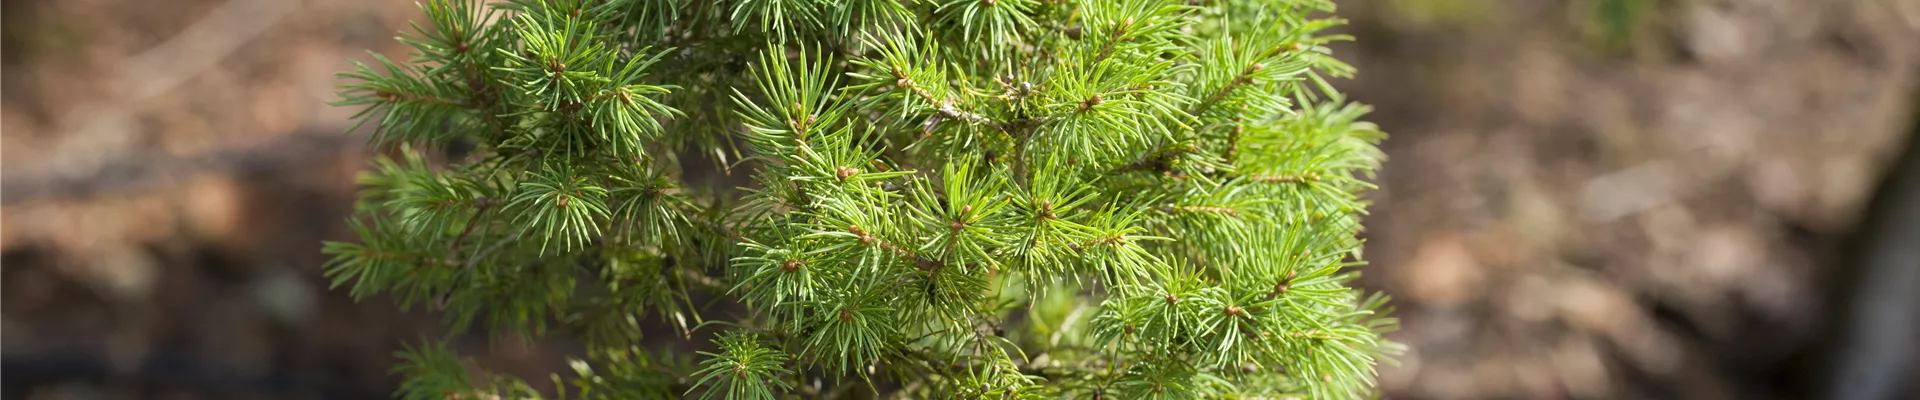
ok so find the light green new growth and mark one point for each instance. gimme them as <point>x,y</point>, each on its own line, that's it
<point>1122,199</point>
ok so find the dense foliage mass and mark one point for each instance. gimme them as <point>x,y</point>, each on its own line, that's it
<point>949,198</point>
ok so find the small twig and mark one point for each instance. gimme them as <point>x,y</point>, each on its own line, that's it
<point>1160,160</point>
<point>1244,78</point>
<point>1309,177</point>
<point>1233,141</point>
<point>944,107</point>
<point>703,279</point>
<point>1106,49</point>
<point>1200,210</point>
<point>483,205</point>
<point>398,97</point>
<point>475,261</point>
<point>1072,32</point>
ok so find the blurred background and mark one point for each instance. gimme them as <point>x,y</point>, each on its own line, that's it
<point>1584,199</point>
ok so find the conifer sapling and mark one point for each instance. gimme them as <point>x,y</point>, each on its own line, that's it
<point>947,198</point>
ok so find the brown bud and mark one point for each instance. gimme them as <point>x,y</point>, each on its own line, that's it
<point>791,266</point>
<point>864,237</point>
<point>1091,101</point>
<point>563,201</point>
<point>845,172</point>
<point>1233,311</point>
<point>846,316</point>
<point>1172,299</point>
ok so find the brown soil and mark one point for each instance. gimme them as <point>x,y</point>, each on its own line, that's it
<point>1571,214</point>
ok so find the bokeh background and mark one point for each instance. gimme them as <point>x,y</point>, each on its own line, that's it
<point>1584,199</point>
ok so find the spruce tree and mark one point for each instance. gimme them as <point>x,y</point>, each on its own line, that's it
<point>1108,199</point>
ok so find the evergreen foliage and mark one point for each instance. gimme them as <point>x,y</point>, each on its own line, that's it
<point>949,198</point>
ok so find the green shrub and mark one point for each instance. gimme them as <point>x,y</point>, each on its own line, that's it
<point>948,198</point>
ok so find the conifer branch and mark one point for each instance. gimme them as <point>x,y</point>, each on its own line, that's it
<point>1309,177</point>
<point>482,255</point>
<point>480,205</point>
<point>1201,210</point>
<point>391,96</point>
<point>1113,37</point>
<point>945,107</point>
<point>1244,78</point>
